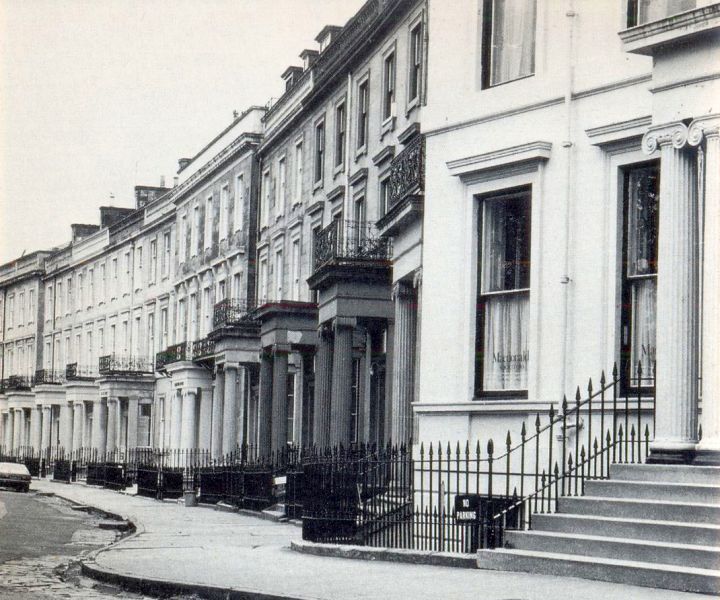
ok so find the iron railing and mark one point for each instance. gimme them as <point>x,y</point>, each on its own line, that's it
<point>202,349</point>
<point>232,311</point>
<point>407,172</point>
<point>350,241</point>
<point>172,354</point>
<point>118,364</point>
<point>393,498</point>
<point>48,377</point>
<point>17,383</point>
<point>76,372</point>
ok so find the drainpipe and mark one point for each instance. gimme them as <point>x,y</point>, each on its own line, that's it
<point>348,146</point>
<point>568,145</point>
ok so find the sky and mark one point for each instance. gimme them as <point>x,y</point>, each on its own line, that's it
<point>97,96</point>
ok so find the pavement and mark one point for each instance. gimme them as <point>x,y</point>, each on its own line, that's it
<point>218,554</point>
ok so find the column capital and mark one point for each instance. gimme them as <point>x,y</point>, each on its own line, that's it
<point>707,126</point>
<point>350,322</point>
<point>281,349</point>
<point>675,134</point>
<point>324,331</point>
<point>417,277</point>
<point>402,290</point>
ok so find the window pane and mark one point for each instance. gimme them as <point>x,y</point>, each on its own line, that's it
<point>513,40</point>
<point>506,244</point>
<point>643,196</point>
<point>653,10</point>
<point>642,347</point>
<point>505,347</point>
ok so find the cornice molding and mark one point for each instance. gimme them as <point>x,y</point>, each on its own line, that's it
<point>675,134</point>
<point>532,151</point>
<point>621,130</point>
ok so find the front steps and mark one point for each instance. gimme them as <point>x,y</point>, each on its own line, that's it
<point>650,525</point>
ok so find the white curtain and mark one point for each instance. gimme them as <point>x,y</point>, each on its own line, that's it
<point>493,249</point>
<point>513,40</point>
<point>506,344</point>
<point>644,304</point>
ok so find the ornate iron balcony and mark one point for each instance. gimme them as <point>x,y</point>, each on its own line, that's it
<point>232,311</point>
<point>75,372</point>
<point>172,354</point>
<point>407,172</point>
<point>48,377</point>
<point>350,241</point>
<point>17,383</point>
<point>116,364</point>
<point>202,349</point>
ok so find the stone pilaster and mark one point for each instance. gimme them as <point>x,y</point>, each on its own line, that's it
<point>323,388</point>
<point>189,424</point>
<point>709,129</point>
<point>205,425</point>
<point>403,362</point>
<point>230,410</point>
<point>342,372</point>
<point>265,405</point>
<point>279,399</point>
<point>217,413</point>
<point>677,297</point>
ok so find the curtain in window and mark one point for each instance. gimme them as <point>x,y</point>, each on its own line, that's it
<point>513,40</point>
<point>653,10</point>
<point>493,249</point>
<point>506,345</point>
<point>644,304</point>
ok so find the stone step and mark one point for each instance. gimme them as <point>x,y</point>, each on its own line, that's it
<point>656,575</point>
<point>626,508</point>
<point>671,473</point>
<point>651,490</point>
<point>640,529</point>
<point>702,557</point>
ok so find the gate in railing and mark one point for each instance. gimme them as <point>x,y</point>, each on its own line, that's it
<point>457,497</point>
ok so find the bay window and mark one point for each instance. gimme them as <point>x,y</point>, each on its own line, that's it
<point>640,12</point>
<point>503,299</point>
<point>508,40</point>
<point>639,289</point>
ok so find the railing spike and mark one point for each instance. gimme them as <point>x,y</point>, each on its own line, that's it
<point>564,404</point>
<point>590,387</point>
<point>490,447</point>
<point>537,422</point>
<point>523,431</point>
<point>508,441</point>
<point>577,395</point>
<point>602,378</point>
<point>615,371</point>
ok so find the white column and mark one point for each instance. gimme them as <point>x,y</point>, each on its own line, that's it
<point>99,433</point>
<point>132,422</point>
<point>677,297</point>
<point>176,420</point>
<point>45,434</point>
<point>66,424</point>
<point>217,414</point>
<point>709,128</point>
<point>78,421</point>
<point>17,428</point>
<point>230,410</point>
<point>403,362</point>
<point>112,424</point>
<point>36,427</point>
<point>205,424</point>
<point>187,436</point>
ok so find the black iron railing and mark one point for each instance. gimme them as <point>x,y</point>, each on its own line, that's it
<point>48,377</point>
<point>76,372</point>
<point>391,498</point>
<point>407,172</point>
<point>172,354</point>
<point>350,241</point>
<point>202,349</point>
<point>232,311</point>
<point>17,383</point>
<point>118,364</point>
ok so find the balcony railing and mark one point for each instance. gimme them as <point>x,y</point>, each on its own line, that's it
<point>407,172</point>
<point>48,377</point>
<point>118,364</point>
<point>172,354</point>
<point>17,383</point>
<point>350,241</point>
<point>232,311</point>
<point>203,349</point>
<point>76,372</point>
